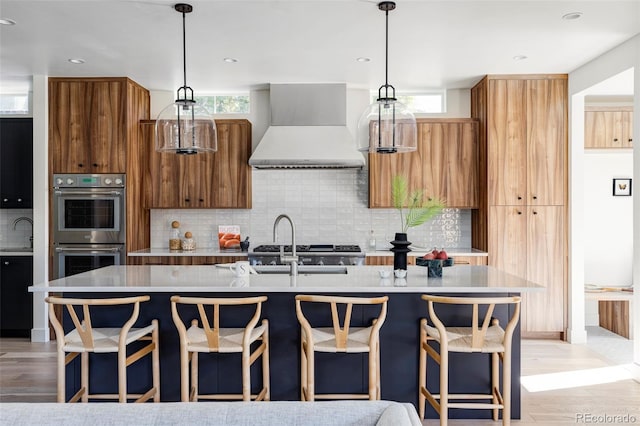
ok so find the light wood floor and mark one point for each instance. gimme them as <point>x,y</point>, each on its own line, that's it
<point>561,382</point>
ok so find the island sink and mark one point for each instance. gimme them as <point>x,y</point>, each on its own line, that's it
<point>302,269</point>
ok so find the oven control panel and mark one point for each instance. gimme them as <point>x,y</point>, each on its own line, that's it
<point>102,180</point>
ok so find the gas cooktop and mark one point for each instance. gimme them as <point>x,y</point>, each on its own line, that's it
<point>310,248</point>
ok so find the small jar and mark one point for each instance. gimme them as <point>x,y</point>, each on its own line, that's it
<point>174,239</point>
<point>188,243</point>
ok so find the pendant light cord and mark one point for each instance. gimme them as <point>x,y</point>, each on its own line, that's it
<point>386,55</point>
<point>184,49</point>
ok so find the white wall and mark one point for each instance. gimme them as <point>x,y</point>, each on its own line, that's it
<point>608,220</point>
<point>613,62</point>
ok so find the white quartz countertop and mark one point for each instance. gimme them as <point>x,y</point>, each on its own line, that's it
<point>219,279</point>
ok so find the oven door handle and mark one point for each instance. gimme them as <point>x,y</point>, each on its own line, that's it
<point>87,250</point>
<point>67,193</point>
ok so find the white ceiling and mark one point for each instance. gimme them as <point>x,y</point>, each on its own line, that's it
<point>433,44</point>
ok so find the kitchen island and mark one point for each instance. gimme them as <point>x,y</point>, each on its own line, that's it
<point>399,334</point>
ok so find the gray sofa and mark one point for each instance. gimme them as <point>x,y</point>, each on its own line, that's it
<point>342,413</point>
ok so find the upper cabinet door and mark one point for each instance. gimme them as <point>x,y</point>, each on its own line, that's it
<point>546,136</point>
<point>382,169</point>
<point>445,166</point>
<point>608,127</point>
<point>221,179</point>
<point>87,126</point>
<point>16,163</point>
<point>450,162</point>
<point>507,143</point>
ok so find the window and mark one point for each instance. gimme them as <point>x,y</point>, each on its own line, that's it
<point>225,104</point>
<point>421,103</point>
<point>14,104</point>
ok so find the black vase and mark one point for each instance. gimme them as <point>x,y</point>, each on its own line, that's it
<point>400,250</point>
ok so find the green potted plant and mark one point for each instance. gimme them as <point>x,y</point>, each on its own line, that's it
<point>414,211</point>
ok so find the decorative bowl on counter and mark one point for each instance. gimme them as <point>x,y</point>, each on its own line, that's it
<point>434,266</point>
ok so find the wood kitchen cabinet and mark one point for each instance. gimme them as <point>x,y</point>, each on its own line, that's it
<point>221,179</point>
<point>608,127</point>
<point>91,121</point>
<point>16,163</point>
<point>522,217</point>
<point>526,156</point>
<point>529,242</point>
<point>445,165</point>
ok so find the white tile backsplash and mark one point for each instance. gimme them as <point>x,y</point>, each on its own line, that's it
<point>327,206</point>
<point>18,237</point>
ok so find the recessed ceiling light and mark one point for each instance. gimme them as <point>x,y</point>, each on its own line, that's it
<point>76,61</point>
<point>7,22</point>
<point>572,16</point>
<point>363,59</point>
<point>519,58</point>
<point>230,60</point>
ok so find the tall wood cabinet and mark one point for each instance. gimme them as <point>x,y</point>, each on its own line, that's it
<point>521,221</point>
<point>91,121</point>
<point>608,127</point>
<point>94,128</point>
<point>221,179</point>
<point>445,165</point>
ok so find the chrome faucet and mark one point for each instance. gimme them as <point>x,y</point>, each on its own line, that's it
<point>293,259</point>
<point>20,219</point>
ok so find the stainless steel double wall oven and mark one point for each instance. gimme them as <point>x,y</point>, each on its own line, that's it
<point>89,222</point>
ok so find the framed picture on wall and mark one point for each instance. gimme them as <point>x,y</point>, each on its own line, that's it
<point>622,187</point>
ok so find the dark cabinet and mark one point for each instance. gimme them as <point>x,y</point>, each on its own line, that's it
<point>16,163</point>
<point>16,303</point>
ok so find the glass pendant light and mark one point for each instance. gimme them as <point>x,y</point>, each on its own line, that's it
<point>387,126</point>
<point>185,126</point>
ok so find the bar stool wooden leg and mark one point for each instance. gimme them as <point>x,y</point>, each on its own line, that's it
<point>84,375</point>
<point>61,375</point>
<point>195,386</point>
<point>379,396</point>
<point>184,374</point>
<point>506,387</point>
<point>311,386</point>
<point>246,377</point>
<point>495,382</point>
<point>422,375</point>
<point>155,360</point>
<point>444,386</point>
<point>303,372</point>
<point>122,375</point>
<point>373,368</point>
<point>265,363</point>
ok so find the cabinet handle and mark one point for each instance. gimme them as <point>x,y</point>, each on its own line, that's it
<point>6,263</point>
<point>630,140</point>
<point>19,200</point>
<point>535,212</point>
<point>519,197</point>
<point>201,200</point>
<point>80,165</point>
<point>95,164</point>
<point>615,139</point>
<point>187,200</point>
<point>5,200</point>
<point>519,212</point>
<point>535,198</point>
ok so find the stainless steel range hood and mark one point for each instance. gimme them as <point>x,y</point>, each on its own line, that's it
<point>308,129</point>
